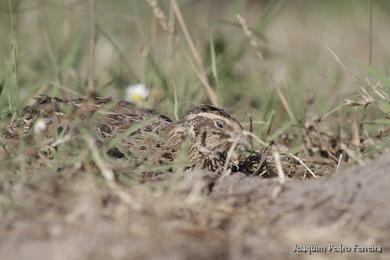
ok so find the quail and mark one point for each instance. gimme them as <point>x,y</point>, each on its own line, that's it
<point>206,133</point>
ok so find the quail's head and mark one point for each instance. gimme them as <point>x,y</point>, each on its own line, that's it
<point>213,132</point>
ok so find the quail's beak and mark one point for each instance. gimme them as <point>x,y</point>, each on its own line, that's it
<point>244,141</point>
<point>242,144</point>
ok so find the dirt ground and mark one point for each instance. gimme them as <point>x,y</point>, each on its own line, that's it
<point>202,217</point>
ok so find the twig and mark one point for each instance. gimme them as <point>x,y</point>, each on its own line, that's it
<point>303,164</point>
<point>290,113</point>
<point>254,122</point>
<point>229,156</point>
<point>263,159</point>
<point>12,120</point>
<point>175,102</point>
<point>375,88</point>
<point>279,167</point>
<point>370,36</point>
<point>160,15</point>
<point>61,140</point>
<point>333,110</point>
<point>335,56</point>
<point>248,32</point>
<point>108,176</point>
<point>15,65</point>
<point>283,99</point>
<point>66,28</point>
<point>342,65</point>
<point>255,138</point>
<point>2,145</point>
<point>269,127</point>
<point>355,129</point>
<point>65,89</point>
<point>250,130</point>
<point>92,48</point>
<point>339,162</point>
<point>202,72</point>
<point>171,39</point>
<point>352,154</point>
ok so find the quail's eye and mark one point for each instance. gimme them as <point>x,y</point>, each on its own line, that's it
<point>219,124</point>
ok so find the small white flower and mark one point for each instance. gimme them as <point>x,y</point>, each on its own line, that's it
<point>136,93</point>
<point>39,126</point>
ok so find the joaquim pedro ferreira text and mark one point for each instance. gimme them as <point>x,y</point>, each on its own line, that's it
<point>337,248</point>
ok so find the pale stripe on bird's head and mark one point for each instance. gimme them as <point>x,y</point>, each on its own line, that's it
<point>214,113</point>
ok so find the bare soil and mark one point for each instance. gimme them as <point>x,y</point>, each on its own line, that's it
<point>202,216</point>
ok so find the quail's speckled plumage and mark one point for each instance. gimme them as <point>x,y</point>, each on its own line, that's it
<point>143,133</point>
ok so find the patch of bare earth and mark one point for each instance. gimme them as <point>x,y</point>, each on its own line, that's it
<point>200,216</point>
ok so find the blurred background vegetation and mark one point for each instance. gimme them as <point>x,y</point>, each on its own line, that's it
<point>250,50</point>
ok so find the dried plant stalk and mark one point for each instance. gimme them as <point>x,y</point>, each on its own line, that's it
<point>202,72</point>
